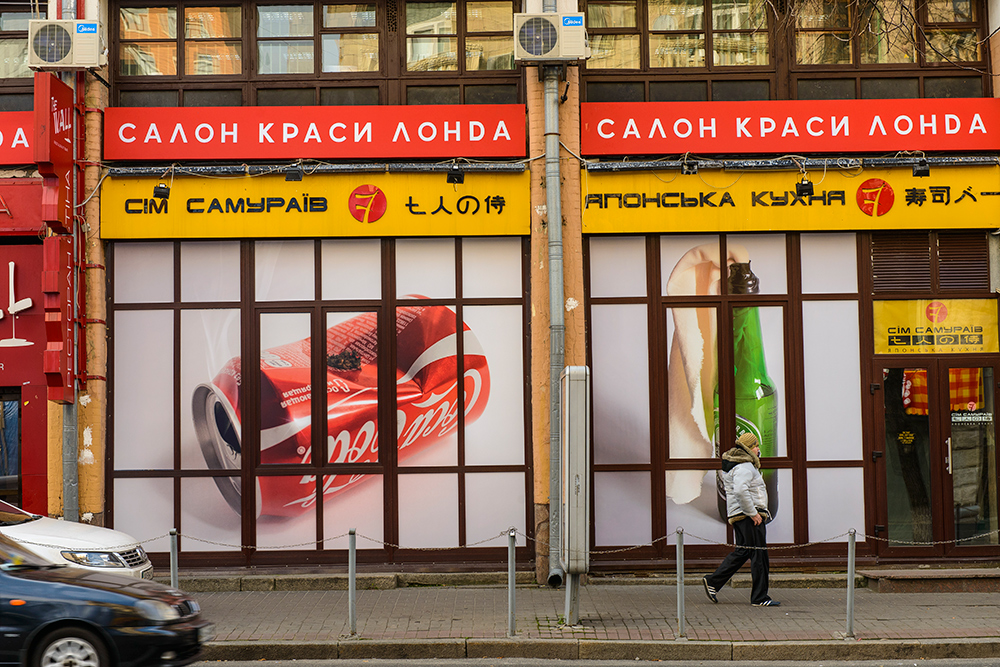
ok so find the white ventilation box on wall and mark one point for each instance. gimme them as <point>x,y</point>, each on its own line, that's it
<point>550,36</point>
<point>65,45</point>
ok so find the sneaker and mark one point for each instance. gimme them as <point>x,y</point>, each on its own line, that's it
<point>709,591</point>
<point>767,603</point>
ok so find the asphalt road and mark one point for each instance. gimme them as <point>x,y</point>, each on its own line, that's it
<point>531,662</point>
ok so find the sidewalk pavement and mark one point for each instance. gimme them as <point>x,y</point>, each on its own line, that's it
<point>620,618</point>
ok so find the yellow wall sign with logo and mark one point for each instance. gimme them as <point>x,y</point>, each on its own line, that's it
<point>938,326</point>
<point>721,201</point>
<point>321,205</point>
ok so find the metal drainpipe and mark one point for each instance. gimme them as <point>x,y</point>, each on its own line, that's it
<point>557,326</point>
<point>70,456</point>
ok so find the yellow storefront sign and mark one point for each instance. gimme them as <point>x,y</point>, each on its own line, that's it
<point>321,205</point>
<point>734,201</point>
<point>938,326</point>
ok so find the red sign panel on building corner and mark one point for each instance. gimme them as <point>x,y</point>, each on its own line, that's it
<point>53,148</point>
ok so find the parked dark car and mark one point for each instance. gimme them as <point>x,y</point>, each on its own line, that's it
<point>53,615</point>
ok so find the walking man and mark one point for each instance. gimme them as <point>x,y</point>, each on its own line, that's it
<point>746,505</point>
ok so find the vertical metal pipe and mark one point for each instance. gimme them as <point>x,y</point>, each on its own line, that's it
<point>681,629</point>
<point>511,582</point>
<point>352,571</point>
<point>70,454</point>
<point>557,319</point>
<point>850,582</point>
<point>173,558</point>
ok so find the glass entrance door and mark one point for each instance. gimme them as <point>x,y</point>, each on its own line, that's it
<point>936,458</point>
<point>971,463</point>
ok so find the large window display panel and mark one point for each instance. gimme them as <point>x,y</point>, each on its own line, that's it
<point>284,270</point>
<point>829,263</point>
<point>620,383</point>
<point>144,438</point>
<point>622,512</point>
<point>846,488</point>
<point>144,273</point>
<point>210,341</point>
<point>232,394</point>
<point>831,355</point>
<point>206,518</point>
<point>618,266</point>
<point>210,271</point>
<point>427,385</point>
<point>362,509</point>
<point>494,388</point>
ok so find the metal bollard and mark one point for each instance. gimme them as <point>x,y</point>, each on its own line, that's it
<point>511,581</point>
<point>681,631</point>
<point>850,582</point>
<point>173,558</point>
<point>352,571</point>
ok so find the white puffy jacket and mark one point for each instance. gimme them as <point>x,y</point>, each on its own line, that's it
<point>745,489</point>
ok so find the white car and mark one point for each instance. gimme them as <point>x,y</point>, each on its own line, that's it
<point>75,544</point>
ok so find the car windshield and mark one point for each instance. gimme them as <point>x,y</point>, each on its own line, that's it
<point>12,555</point>
<point>11,516</point>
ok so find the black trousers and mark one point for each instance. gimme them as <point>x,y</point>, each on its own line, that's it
<point>747,535</point>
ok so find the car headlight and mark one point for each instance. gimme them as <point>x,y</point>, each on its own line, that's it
<point>92,558</point>
<point>156,610</point>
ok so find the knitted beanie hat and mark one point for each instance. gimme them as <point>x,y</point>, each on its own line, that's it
<point>748,441</point>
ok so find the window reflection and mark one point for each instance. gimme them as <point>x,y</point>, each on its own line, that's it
<point>349,16</point>
<point>432,54</point>
<point>489,53</point>
<point>610,14</point>
<point>208,58</point>
<point>148,59</point>
<point>14,59</point>
<point>350,53</point>
<point>148,22</point>
<point>212,22</point>
<point>952,46</point>
<point>284,21</point>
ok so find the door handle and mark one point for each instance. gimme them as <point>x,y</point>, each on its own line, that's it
<point>948,458</point>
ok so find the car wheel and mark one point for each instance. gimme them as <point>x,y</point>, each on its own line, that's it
<point>71,647</point>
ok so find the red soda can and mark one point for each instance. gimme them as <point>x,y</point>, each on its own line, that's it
<point>427,403</point>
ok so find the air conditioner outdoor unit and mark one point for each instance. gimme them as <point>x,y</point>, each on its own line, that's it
<point>65,45</point>
<point>550,37</point>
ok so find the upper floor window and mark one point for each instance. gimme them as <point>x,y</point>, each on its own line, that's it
<point>679,33</point>
<point>330,52</point>
<point>436,32</point>
<point>742,50</point>
<point>14,19</point>
<point>880,32</point>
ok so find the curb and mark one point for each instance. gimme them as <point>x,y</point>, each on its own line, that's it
<point>592,649</point>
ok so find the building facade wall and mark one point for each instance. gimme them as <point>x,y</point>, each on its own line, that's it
<point>637,56</point>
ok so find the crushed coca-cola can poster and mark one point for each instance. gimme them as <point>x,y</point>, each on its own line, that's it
<point>429,396</point>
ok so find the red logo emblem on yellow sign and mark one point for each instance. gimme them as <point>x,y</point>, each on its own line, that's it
<point>367,203</point>
<point>936,311</point>
<point>875,197</point>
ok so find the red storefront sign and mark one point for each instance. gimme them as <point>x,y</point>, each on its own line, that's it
<point>53,133</point>
<point>21,206</point>
<point>16,128</point>
<point>288,133</point>
<point>790,126</point>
